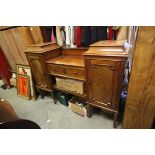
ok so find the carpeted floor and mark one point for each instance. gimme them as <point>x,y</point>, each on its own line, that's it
<point>48,115</point>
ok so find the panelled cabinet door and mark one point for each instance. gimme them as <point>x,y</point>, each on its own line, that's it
<point>39,72</point>
<point>100,82</point>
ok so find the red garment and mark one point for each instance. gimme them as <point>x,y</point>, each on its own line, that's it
<point>78,36</point>
<point>115,33</point>
<point>5,73</point>
<point>110,34</point>
<point>53,40</point>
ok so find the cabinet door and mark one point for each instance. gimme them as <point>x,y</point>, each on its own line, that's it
<point>39,72</point>
<point>100,82</point>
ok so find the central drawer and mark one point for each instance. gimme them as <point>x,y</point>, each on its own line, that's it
<point>67,71</point>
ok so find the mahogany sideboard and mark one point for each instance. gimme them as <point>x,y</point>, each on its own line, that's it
<point>100,67</point>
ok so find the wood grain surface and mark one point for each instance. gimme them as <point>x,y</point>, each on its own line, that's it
<point>140,104</point>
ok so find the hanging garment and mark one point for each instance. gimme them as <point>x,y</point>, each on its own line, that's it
<point>122,33</point>
<point>93,34</point>
<point>68,35</point>
<point>72,32</point>
<point>5,73</point>
<point>102,33</point>
<point>78,36</point>
<point>53,39</point>
<point>48,30</point>
<point>73,36</point>
<point>54,31</point>
<point>98,33</point>
<point>63,35</point>
<point>86,38</point>
<point>115,31</point>
<point>115,27</point>
<point>60,35</point>
<point>110,33</point>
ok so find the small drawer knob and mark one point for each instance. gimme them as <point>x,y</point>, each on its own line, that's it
<point>75,73</point>
<point>93,66</point>
<point>94,99</point>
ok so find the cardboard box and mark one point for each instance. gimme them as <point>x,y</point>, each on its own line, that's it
<point>77,108</point>
<point>70,84</point>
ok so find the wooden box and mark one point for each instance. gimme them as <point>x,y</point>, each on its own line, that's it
<point>70,84</point>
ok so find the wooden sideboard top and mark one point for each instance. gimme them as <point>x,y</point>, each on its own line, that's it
<point>108,43</point>
<point>101,48</point>
<point>42,47</point>
<point>107,48</point>
<point>77,61</point>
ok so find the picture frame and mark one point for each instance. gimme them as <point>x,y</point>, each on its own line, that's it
<point>26,70</point>
<point>23,86</point>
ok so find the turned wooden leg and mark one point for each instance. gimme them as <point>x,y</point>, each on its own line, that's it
<point>53,96</point>
<point>115,120</point>
<point>89,110</point>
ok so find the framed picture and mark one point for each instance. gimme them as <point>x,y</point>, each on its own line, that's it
<point>23,86</point>
<point>26,70</point>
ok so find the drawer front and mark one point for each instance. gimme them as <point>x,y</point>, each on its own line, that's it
<point>56,69</point>
<point>73,72</point>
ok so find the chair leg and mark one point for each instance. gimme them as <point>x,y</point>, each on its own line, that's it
<point>115,120</point>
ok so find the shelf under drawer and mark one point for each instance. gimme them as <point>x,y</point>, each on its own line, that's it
<point>69,77</point>
<point>70,92</point>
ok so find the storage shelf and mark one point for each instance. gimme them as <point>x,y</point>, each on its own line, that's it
<point>49,90</point>
<point>103,108</point>
<point>70,92</point>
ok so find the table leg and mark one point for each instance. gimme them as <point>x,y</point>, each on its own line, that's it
<point>53,96</point>
<point>89,110</point>
<point>115,120</point>
<point>41,93</point>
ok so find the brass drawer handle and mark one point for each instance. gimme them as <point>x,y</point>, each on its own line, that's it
<point>75,73</point>
<point>112,68</point>
<point>102,102</point>
<point>106,65</point>
<point>94,99</point>
<point>93,66</point>
<point>105,103</point>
